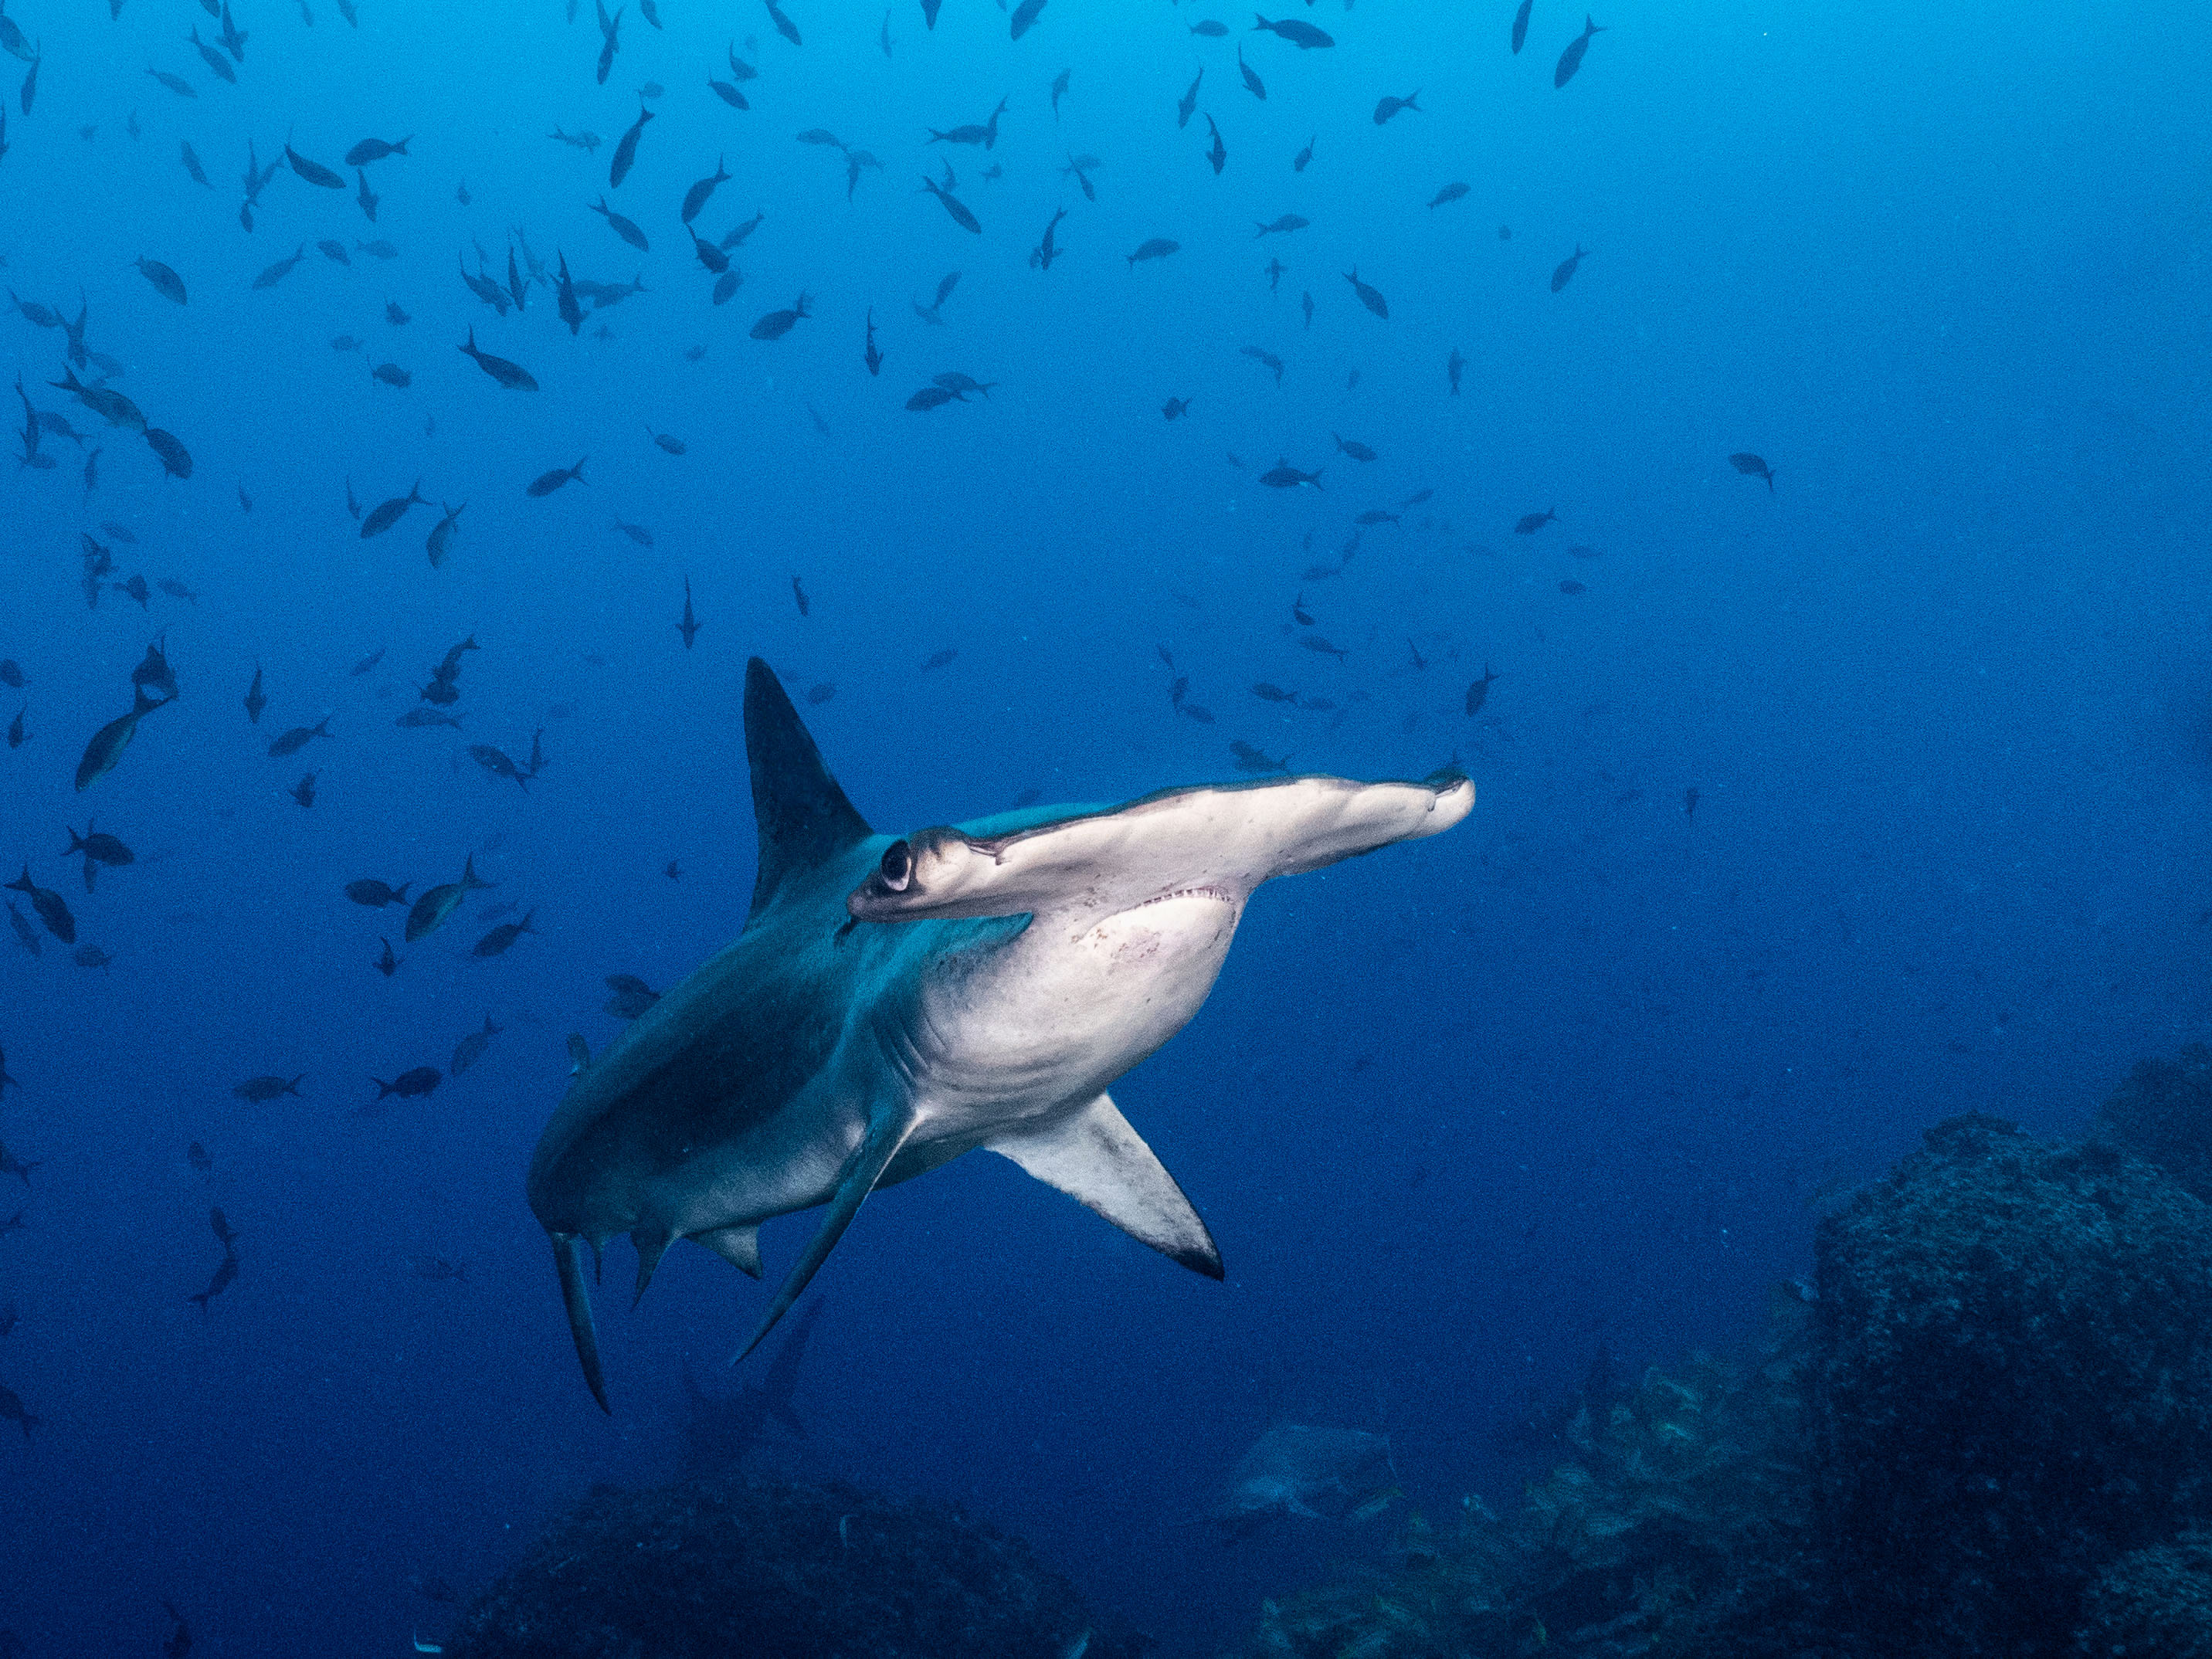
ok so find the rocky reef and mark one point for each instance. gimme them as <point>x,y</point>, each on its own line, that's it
<point>1985,1430</point>
<point>718,1568</point>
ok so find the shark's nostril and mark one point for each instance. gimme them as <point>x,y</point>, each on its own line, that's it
<point>898,866</point>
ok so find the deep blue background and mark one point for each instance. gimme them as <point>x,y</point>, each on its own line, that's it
<point>1458,1113</point>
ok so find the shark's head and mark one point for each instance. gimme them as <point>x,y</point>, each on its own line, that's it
<point>1221,838</point>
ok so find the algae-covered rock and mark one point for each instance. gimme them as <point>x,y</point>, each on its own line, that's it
<point>1678,1526</point>
<point>2014,1385</point>
<point>2163,1116</point>
<point>753,1569</point>
<point>2151,1604</point>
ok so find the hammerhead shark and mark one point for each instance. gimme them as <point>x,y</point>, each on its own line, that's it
<point>896,1002</point>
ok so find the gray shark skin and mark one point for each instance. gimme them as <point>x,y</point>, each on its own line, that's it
<point>893,1002</point>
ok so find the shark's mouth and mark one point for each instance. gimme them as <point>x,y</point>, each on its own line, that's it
<point>1221,894</point>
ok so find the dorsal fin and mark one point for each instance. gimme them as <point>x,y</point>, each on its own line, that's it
<point>805,819</point>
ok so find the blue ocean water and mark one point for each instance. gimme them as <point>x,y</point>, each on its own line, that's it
<point>1806,814</point>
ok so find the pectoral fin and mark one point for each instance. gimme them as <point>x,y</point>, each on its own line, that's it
<point>886,1134</point>
<point>577,1299</point>
<point>1096,1158</point>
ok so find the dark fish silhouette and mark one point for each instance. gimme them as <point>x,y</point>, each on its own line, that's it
<point>180,1639</point>
<point>176,460</point>
<point>626,151</point>
<point>314,172</point>
<point>495,943</point>
<point>108,743</point>
<point>546,483</point>
<point>1566,271</point>
<point>495,761</point>
<point>1571,58</point>
<point>1187,102</point>
<point>375,895</point>
<point>777,324</point>
<point>1218,152</point>
<point>512,376</point>
<point>1390,107</point>
<point>272,274</point>
<point>1450,192</point>
<point>166,281</point>
<point>689,628</point>
<point>953,205</point>
<point>1284,476</point>
<point>98,848</point>
<point>1478,691</point>
<point>375,150</point>
<point>1262,354</point>
<point>12,1409</point>
<point>697,196</point>
<point>622,227</point>
<point>261,1090</point>
<point>1253,83</point>
<point>255,702</point>
<point>709,255</point>
<point>52,910</point>
<point>109,404</point>
<point>1304,36</point>
<point>388,514</point>
<point>1157,247</point>
<point>1520,25</point>
<point>470,1048</point>
<point>431,909</point>
<point>1752,466</point>
<point>1368,297</point>
<point>1530,523</point>
<point>411,1084</point>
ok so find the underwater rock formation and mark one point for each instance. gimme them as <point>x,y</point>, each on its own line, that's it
<point>738,1568</point>
<point>1987,1435</point>
<point>2152,1604</point>
<point>2015,1383</point>
<point>2163,1116</point>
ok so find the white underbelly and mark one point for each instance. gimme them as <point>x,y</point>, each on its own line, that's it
<point>1050,1019</point>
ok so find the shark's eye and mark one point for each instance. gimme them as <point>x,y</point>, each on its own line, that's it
<point>897,865</point>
